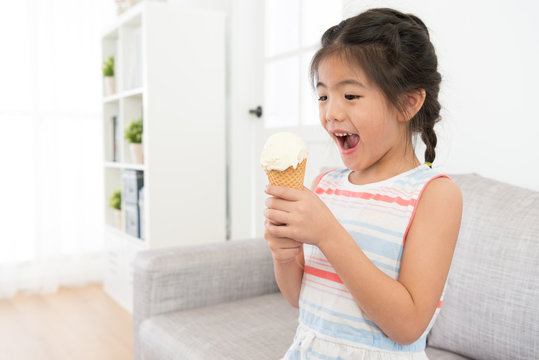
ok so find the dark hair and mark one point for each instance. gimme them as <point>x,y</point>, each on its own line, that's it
<point>395,52</point>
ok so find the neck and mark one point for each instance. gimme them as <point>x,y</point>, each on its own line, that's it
<point>388,166</point>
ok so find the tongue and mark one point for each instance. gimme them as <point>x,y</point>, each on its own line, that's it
<point>352,140</point>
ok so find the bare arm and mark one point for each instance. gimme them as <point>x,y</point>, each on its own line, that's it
<point>288,260</point>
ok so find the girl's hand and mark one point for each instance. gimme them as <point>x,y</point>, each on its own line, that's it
<point>301,214</point>
<point>284,250</point>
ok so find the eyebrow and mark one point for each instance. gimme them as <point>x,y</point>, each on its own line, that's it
<point>343,82</point>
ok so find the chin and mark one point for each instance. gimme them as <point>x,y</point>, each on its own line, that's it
<point>353,165</point>
<point>356,164</point>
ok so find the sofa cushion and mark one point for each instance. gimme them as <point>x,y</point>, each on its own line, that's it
<point>439,354</point>
<point>490,310</point>
<point>256,328</point>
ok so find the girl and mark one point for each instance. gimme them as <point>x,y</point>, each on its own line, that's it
<point>365,254</point>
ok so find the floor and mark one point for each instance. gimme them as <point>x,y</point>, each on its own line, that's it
<point>74,323</point>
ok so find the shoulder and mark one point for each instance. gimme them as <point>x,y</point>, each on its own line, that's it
<point>441,191</point>
<point>439,209</point>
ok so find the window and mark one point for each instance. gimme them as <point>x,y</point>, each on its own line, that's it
<point>293,29</point>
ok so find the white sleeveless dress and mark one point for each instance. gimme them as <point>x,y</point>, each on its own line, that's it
<point>377,216</point>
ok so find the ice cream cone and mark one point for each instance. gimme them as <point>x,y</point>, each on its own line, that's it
<point>283,159</point>
<point>292,178</point>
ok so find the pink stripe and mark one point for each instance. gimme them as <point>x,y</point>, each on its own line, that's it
<point>319,263</point>
<point>384,189</point>
<point>415,207</point>
<point>367,196</point>
<point>320,259</point>
<point>335,201</point>
<point>322,274</point>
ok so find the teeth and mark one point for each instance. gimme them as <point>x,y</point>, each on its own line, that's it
<point>342,134</point>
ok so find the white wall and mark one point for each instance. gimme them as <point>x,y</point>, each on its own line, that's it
<point>488,57</point>
<point>488,53</point>
<point>241,96</point>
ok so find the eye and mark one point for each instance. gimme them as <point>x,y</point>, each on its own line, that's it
<point>351,97</point>
<point>322,98</point>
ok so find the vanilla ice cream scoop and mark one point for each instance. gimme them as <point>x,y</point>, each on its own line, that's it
<point>283,150</point>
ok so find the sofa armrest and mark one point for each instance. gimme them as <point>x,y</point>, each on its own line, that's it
<point>181,278</point>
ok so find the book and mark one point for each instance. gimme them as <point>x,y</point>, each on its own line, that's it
<point>115,129</point>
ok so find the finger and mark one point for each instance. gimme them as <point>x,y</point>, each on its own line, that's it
<point>278,204</point>
<point>276,243</point>
<point>266,222</point>
<point>279,231</point>
<point>287,243</point>
<point>276,216</point>
<point>283,192</point>
<point>280,242</point>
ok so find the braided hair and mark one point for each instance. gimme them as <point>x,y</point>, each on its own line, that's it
<point>395,51</point>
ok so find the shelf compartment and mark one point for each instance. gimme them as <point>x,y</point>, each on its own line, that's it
<point>136,92</point>
<point>112,132</point>
<point>113,182</point>
<point>131,110</point>
<point>120,165</point>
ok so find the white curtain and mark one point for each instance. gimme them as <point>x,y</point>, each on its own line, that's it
<point>51,183</point>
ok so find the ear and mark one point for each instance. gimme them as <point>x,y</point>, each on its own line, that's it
<point>413,101</point>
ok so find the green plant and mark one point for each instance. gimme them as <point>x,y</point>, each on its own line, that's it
<point>115,200</point>
<point>108,67</point>
<point>133,133</point>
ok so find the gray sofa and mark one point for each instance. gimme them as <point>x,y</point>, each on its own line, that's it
<point>221,301</point>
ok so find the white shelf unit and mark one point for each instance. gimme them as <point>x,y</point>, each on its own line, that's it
<point>170,71</point>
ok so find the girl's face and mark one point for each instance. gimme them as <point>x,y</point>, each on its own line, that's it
<point>358,117</point>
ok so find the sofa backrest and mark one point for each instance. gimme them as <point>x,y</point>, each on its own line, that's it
<point>491,305</point>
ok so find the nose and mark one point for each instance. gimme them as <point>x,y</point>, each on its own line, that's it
<point>334,111</point>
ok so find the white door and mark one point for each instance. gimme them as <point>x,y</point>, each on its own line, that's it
<point>291,35</point>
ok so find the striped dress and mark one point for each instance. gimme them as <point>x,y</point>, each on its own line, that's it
<point>377,216</point>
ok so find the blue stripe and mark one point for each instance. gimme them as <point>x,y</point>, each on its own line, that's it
<point>322,356</point>
<point>337,173</point>
<point>381,229</point>
<point>381,265</point>
<point>416,178</point>
<point>360,336</point>
<point>376,245</point>
<point>335,313</point>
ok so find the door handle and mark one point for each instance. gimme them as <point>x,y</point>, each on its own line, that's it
<point>257,111</point>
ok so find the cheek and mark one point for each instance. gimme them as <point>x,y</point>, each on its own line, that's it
<point>322,115</point>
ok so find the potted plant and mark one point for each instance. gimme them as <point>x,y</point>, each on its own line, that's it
<point>115,202</point>
<point>108,76</point>
<point>133,135</point>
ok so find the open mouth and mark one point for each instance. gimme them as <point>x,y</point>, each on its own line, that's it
<point>347,141</point>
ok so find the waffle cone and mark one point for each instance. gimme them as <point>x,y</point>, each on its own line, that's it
<point>292,178</point>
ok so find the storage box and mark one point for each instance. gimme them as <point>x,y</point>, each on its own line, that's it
<point>132,219</point>
<point>133,181</point>
<point>141,211</point>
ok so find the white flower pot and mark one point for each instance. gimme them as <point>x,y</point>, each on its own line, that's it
<point>136,153</point>
<point>110,85</point>
<point>119,218</point>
